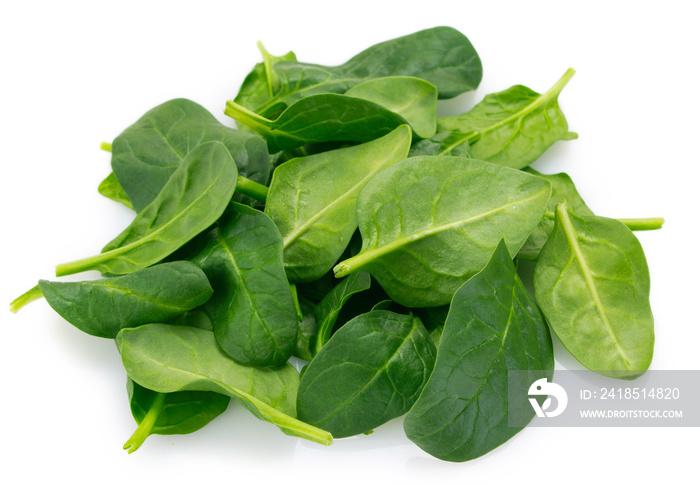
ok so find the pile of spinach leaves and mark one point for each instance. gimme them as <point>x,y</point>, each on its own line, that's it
<point>346,227</point>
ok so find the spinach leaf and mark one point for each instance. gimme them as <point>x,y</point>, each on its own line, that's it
<point>592,283</point>
<point>146,154</point>
<point>320,118</point>
<point>563,189</point>
<point>252,309</point>
<point>192,199</point>
<point>371,371</point>
<point>172,413</point>
<point>312,201</point>
<point>513,127</point>
<point>111,189</point>
<point>168,358</point>
<point>413,99</point>
<point>447,143</point>
<point>103,307</point>
<point>329,308</point>
<point>263,81</point>
<point>428,224</point>
<point>493,327</point>
<point>442,56</point>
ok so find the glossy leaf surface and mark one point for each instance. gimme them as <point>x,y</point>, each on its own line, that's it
<point>173,413</point>
<point>592,283</point>
<point>146,154</point>
<point>443,143</point>
<point>514,127</point>
<point>493,327</point>
<point>167,358</point>
<point>312,201</point>
<point>252,309</point>
<point>103,307</point>
<point>430,223</point>
<point>369,372</point>
<point>193,198</point>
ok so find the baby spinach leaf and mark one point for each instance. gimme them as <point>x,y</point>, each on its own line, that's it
<point>329,308</point>
<point>192,199</point>
<point>168,358</point>
<point>252,309</point>
<point>312,200</point>
<point>442,56</point>
<point>103,307</point>
<point>493,327</point>
<point>263,81</point>
<point>410,97</point>
<point>428,224</point>
<point>563,189</point>
<point>513,127</point>
<point>592,283</point>
<point>146,154</point>
<point>447,143</point>
<point>111,189</point>
<point>320,118</point>
<point>371,371</point>
<point>172,413</point>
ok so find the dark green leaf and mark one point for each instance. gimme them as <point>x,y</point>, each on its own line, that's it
<point>493,327</point>
<point>443,143</point>
<point>252,308</point>
<point>371,371</point>
<point>154,294</point>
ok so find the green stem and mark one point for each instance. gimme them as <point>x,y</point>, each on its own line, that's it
<point>645,224</point>
<point>146,424</point>
<point>252,189</point>
<point>297,306</point>
<point>250,119</point>
<point>106,146</point>
<point>25,298</point>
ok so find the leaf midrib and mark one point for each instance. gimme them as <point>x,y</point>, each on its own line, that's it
<point>572,240</point>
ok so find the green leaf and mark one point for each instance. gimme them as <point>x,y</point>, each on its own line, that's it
<point>111,189</point>
<point>146,154</point>
<point>312,201</point>
<point>413,99</point>
<point>103,307</point>
<point>514,127</point>
<point>263,81</point>
<point>563,189</point>
<point>592,283</point>
<point>493,327</point>
<point>168,358</point>
<point>252,309</point>
<point>371,371</point>
<point>428,224</point>
<point>306,336</point>
<point>320,118</point>
<point>329,308</point>
<point>442,56</point>
<point>192,199</point>
<point>173,413</point>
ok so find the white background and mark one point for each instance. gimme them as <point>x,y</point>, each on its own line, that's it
<point>75,74</point>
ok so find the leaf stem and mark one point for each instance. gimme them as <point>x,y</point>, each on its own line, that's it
<point>146,424</point>
<point>251,188</point>
<point>25,298</point>
<point>247,117</point>
<point>107,147</point>
<point>297,306</point>
<point>644,224</point>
